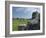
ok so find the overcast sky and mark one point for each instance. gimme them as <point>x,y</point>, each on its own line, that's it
<point>23,12</point>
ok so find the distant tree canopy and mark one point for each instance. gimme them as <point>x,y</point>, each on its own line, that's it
<point>17,18</point>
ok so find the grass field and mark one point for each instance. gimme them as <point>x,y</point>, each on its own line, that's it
<point>16,22</point>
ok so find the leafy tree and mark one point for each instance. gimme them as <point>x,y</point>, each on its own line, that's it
<point>34,14</point>
<point>17,18</point>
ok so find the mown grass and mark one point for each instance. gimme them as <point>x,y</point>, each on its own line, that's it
<point>16,22</point>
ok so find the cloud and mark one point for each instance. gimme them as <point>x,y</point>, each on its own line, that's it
<point>24,12</point>
<point>36,9</point>
<point>19,9</point>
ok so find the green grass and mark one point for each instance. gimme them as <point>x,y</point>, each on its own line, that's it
<point>16,22</point>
